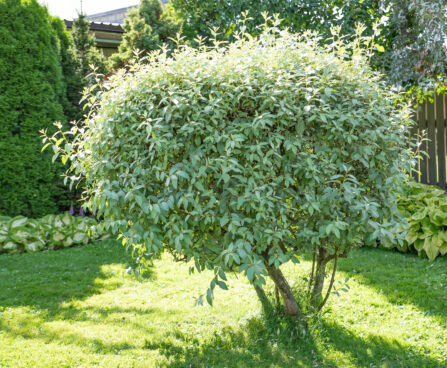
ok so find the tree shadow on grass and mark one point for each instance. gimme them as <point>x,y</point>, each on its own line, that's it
<point>47,279</point>
<point>260,342</point>
<point>374,350</point>
<point>402,278</point>
<point>255,345</point>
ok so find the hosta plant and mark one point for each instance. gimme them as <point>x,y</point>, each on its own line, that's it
<point>241,156</point>
<point>424,208</point>
<point>21,234</point>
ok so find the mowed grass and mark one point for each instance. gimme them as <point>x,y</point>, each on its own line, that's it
<point>79,308</point>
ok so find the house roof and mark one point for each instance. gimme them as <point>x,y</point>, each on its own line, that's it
<point>110,12</point>
<point>96,26</point>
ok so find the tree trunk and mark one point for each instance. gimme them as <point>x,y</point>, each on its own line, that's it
<point>291,307</point>
<point>318,281</point>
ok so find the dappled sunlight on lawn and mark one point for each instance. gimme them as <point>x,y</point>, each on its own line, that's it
<point>108,318</point>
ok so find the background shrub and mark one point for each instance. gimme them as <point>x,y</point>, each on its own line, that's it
<point>90,59</point>
<point>242,156</point>
<point>73,79</point>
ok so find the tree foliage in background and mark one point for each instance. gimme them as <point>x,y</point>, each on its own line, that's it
<point>146,28</point>
<point>409,34</point>
<point>201,16</point>
<point>32,97</point>
<point>240,157</point>
<point>90,58</point>
<point>418,56</point>
<point>73,85</point>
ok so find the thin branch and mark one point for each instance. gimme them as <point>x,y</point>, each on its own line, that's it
<point>330,284</point>
<point>311,278</point>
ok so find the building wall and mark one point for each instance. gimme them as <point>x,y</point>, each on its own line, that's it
<point>107,36</point>
<point>107,42</point>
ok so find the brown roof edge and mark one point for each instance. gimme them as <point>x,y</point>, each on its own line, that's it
<point>116,28</point>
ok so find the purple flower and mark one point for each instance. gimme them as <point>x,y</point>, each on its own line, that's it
<point>81,212</point>
<point>72,212</point>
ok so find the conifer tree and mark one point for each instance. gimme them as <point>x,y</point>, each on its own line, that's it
<point>72,76</point>
<point>146,28</point>
<point>84,45</point>
<point>32,89</point>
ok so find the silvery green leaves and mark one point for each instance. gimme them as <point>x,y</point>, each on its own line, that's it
<point>424,208</point>
<point>419,54</point>
<point>21,234</point>
<point>242,157</point>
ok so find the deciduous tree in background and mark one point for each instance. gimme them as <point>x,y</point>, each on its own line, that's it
<point>409,34</point>
<point>418,56</point>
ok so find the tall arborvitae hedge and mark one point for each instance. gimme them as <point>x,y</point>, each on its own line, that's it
<point>72,78</point>
<point>31,96</point>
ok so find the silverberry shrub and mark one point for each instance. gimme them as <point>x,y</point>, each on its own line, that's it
<point>241,156</point>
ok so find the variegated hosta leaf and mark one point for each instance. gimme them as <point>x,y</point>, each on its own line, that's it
<point>4,219</point>
<point>67,219</point>
<point>20,234</point>
<point>10,246</point>
<point>50,232</point>
<point>17,221</point>
<point>424,207</point>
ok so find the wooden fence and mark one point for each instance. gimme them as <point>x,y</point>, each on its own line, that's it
<point>431,119</point>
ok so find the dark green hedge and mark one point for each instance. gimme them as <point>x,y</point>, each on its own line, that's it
<point>32,93</point>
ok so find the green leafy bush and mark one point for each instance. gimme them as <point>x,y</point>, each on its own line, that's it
<point>424,208</point>
<point>241,156</point>
<point>21,234</point>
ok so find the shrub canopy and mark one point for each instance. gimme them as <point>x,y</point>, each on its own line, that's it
<point>240,156</point>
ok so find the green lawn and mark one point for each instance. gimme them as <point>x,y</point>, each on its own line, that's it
<point>79,308</point>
